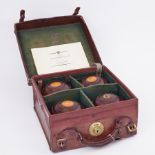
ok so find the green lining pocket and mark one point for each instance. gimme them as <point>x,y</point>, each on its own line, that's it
<point>74,94</point>
<point>93,91</point>
<point>74,82</point>
<point>71,81</point>
<point>104,75</point>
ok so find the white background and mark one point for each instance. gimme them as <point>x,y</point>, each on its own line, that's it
<point>124,33</point>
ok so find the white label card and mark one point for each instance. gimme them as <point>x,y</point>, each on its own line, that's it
<point>59,58</point>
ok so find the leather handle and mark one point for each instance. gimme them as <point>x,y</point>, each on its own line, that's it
<point>112,136</point>
<point>123,124</point>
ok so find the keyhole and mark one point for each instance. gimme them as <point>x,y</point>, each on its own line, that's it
<point>97,131</point>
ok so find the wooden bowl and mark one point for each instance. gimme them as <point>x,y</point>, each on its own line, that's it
<point>54,87</point>
<point>106,98</point>
<point>92,80</point>
<point>66,106</point>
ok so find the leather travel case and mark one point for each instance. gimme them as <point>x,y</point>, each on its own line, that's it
<point>92,125</point>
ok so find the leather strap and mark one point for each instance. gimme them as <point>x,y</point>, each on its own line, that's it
<point>98,69</point>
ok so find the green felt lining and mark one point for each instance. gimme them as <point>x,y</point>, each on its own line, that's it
<point>75,95</point>
<point>104,75</point>
<point>71,81</point>
<point>48,80</point>
<point>93,91</point>
<point>74,80</point>
<point>86,95</point>
<point>121,92</point>
<point>49,36</point>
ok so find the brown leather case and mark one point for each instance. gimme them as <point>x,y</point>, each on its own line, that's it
<point>93,125</point>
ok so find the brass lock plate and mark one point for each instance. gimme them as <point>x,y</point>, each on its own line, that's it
<point>96,129</point>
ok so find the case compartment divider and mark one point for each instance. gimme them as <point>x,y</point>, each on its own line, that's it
<point>104,75</point>
<point>52,79</point>
<point>93,91</point>
<point>86,99</point>
<point>75,83</point>
<point>73,94</point>
<point>71,81</point>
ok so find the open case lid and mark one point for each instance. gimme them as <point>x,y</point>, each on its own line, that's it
<point>50,32</point>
